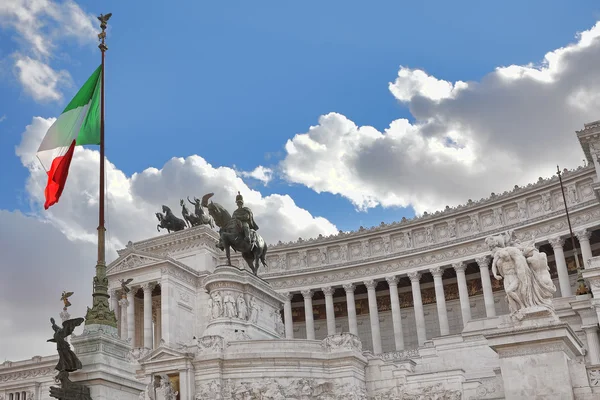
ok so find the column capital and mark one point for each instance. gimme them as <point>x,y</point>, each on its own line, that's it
<point>148,286</point>
<point>370,284</point>
<point>414,276</point>
<point>483,262</point>
<point>288,295</point>
<point>328,290</point>
<point>392,280</point>
<point>556,242</point>
<point>459,266</point>
<point>307,293</point>
<point>437,272</point>
<point>583,234</point>
<point>123,302</point>
<point>349,287</point>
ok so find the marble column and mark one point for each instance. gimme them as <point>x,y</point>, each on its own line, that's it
<point>415,277</point>
<point>114,305</point>
<point>561,266</point>
<point>374,316</point>
<point>584,242</point>
<point>440,300</point>
<point>486,284</point>
<point>593,342</point>
<point>287,316</point>
<point>328,292</point>
<point>131,317</point>
<point>147,287</point>
<point>308,313</point>
<point>124,314</point>
<point>396,316</point>
<point>184,384</point>
<point>165,309</point>
<point>351,304</point>
<point>463,291</point>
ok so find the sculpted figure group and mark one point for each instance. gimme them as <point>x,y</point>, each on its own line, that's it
<point>525,272</point>
<point>167,219</point>
<point>237,230</point>
<point>229,307</point>
<point>160,389</point>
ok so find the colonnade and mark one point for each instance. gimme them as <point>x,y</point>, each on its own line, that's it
<point>125,310</point>
<point>415,279</point>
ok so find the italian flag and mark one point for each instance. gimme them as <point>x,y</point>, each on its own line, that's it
<point>78,125</point>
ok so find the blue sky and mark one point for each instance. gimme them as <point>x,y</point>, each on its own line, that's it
<point>232,82</point>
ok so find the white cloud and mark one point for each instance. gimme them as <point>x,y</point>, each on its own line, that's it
<point>260,173</point>
<point>468,139</point>
<point>39,80</point>
<point>132,201</point>
<point>40,25</point>
<point>3,118</point>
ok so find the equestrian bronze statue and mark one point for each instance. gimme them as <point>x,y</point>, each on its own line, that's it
<point>238,231</point>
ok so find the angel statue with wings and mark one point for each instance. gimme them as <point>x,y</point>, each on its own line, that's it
<point>67,360</point>
<point>65,298</point>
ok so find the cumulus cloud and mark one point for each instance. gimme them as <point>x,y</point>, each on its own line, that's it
<point>260,173</point>
<point>39,26</point>
<point>468,138</point>
<point>133,200</point>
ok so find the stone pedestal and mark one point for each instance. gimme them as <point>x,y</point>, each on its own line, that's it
<point>106,369</point>
<point>242,306</point>
<point>534,355</point>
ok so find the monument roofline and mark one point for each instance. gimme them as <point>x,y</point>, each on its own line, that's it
<point>155,244</point>
<point>438,216</point>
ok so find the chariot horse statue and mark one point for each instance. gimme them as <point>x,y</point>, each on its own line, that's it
<point>238,231</point>
<point>169,221</point>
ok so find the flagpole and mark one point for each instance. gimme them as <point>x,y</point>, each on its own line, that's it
<point>582,289</point>
<point>100,313</point>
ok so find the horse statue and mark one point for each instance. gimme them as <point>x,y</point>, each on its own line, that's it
<point>200,216</point>
<point>169,221</point>
<point>238,232</point>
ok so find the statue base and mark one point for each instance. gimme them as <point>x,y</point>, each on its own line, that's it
<point>535,350</point>
<point>242,306</point>
<point>106,370</point>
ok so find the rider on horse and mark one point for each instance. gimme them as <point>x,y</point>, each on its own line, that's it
<point>245,217</point>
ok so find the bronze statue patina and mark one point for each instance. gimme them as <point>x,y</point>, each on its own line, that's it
<point>67,362</point>
<point>65,298</point>
<point>169,221</point>
<point>238,231</point>
<point>199,217</point>
<point>124,284</point>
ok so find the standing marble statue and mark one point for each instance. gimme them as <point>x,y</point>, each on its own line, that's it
<point>242,308</point>
<point>217,305</point>
<point>525,273</point>
<point>253,310</point>
<point>229,302</point>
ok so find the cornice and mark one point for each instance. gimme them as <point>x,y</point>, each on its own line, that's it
<point>428,257</point>
<point>471,207</point>
<point>198,234</point>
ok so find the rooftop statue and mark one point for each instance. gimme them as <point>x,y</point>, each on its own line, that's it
<point>199,217</point>
<point>525,272</point>
<point>238,231</point>
<point>169,221</point>
<point>124,284</point>
<point>65,298</point>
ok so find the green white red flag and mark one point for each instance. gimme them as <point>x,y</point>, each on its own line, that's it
<point>78,125</point>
